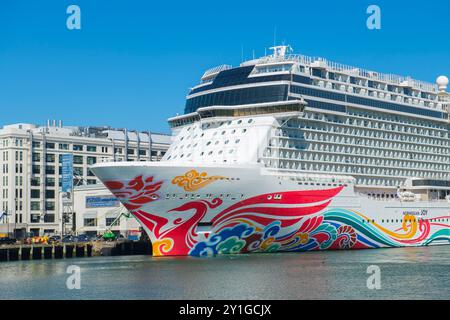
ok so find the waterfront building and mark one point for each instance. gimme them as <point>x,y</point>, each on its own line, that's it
<point>30,158</point>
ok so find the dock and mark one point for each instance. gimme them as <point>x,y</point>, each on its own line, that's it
<point>18,252</point>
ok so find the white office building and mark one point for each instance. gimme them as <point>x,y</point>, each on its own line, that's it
<point>30,158</point>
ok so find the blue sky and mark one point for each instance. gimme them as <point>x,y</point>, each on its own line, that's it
<point>132,63</point>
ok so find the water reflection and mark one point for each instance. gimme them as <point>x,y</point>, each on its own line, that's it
<point>406,273</point>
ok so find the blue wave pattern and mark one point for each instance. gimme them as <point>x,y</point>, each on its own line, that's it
<point>340,229</point>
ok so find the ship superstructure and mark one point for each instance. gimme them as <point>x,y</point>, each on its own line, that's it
<point>316,154</point>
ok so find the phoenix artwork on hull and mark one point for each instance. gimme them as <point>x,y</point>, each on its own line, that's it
<point>294,153</point>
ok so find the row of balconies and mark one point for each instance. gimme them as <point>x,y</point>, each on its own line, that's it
<point>362,122</point>
<point>292,153</point>
<point>353,167</point>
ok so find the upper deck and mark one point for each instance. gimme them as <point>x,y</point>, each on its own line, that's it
<point>281,77</point>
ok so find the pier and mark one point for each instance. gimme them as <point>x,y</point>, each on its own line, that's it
<point>73,250</point>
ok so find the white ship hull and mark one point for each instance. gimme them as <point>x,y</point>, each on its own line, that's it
<point>240,209</point>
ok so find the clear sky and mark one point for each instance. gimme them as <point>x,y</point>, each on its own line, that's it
<point>132,62</point>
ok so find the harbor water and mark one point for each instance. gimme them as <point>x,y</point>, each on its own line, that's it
<point>405,273</point>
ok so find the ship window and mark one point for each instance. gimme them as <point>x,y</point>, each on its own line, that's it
<point>226,141</point>
<point>210,153</point>
<point>208,143</point>
<point>238,140</point>
<point>223,132</point>
<point>217,142</point>
<point>239,122</point>
<point>220,152</point>
<point>244,130</point>
<point>250,120</point>
<point>233,131</point>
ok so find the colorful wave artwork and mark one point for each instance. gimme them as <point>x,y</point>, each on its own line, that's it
<point>285,221</point>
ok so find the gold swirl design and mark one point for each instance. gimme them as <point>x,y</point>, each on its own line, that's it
<point>410,230</point>
<point>162,247</point>
<point>193,181</point>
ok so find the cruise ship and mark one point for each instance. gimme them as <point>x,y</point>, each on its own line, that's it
<point>294,153</point>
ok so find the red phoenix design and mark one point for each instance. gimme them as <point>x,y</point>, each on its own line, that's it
<point>136,193</point>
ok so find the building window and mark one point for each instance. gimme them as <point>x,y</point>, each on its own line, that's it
<point>91,160</point>
<point>91,181</point>
<point>91,148</point>
<point>36,182</point>
<point>90,222</point>
<point>64,146</point>
<point>35,218</point>
<point>142,152</point>
<point>49,218</point>
<point>118,150</point>
<point>50,157</point>
<point>35,194</point>
<point>49,206</point>
<point>130,151</point>
<point>36,169</point>
<point>50,182</point>
<point>49,169</point>
<point>36,144</point>
<point>78,159</point>
<point>77,147</point>
<point>50,194</point>
<point>36,157</point>
<point>35,205</point>
<point>109,222</point>
<point>50,145</point>
<point>77,171</point>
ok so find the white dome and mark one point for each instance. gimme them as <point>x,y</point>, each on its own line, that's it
<point>442,82</point>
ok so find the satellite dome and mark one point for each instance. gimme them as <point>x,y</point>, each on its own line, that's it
<point>442,82</point>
